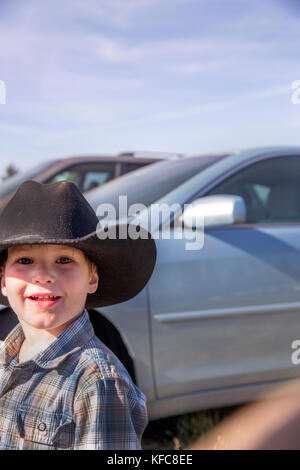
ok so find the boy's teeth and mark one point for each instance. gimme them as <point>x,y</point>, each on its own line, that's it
<point>44,297</point>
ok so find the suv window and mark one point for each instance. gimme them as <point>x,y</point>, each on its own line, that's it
<point>87,175</point>
<point>270,188</point>
<point>66,175</point>
<point>95,178</point>
<point>127,167</point>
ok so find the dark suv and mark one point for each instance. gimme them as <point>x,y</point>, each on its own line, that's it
<point>86,172</point>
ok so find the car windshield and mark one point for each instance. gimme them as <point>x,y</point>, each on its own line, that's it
<point>8,186</point>
<point>147,185</point>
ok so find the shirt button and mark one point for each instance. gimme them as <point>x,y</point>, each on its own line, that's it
<point>42,426</point>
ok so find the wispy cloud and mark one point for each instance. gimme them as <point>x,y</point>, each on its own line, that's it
<point>241,100</point>
<point>84,76</point>
<point>119,12</point>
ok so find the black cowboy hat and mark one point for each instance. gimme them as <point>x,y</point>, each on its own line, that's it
<point>58,213</point>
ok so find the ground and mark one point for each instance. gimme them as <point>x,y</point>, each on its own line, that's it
<point>179,431</point>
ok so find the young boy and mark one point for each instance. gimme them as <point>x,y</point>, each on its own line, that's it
<point>61,387</point>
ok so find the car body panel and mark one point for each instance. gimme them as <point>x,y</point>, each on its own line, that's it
<point>217,313</point>
<point>132,319</point>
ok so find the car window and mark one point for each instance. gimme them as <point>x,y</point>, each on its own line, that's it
<point>148,184</point>
<point>127,167</point>
<point>270,188</point>
<point>92,179</point>
<point>262,192</point>
<point>66,175</point>
<point>87,175</point>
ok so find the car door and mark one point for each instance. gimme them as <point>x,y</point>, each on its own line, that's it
<point>226,315</point>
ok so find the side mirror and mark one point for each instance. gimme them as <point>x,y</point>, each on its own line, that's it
<point>211,211</point>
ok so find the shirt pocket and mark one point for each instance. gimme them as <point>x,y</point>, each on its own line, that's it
<point>43,430</point>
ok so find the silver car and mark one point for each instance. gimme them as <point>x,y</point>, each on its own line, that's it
<point>215,325</point>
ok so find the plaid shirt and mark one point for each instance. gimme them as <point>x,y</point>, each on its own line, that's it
<point>73,395</point>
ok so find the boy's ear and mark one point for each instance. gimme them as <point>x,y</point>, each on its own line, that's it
<point>93,282</point>
<point>3,284</point>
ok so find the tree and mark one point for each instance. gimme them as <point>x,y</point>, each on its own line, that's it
<point>10,171</point>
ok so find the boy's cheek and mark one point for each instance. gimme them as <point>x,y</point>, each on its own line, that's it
<point>12,286</point>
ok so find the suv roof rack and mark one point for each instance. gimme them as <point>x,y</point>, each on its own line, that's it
<point>152,154</point>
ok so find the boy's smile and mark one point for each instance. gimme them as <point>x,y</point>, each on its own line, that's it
<point>43,300</point>
<point>47,285</point>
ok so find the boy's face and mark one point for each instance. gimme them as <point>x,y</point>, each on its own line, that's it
<point>57,270</point>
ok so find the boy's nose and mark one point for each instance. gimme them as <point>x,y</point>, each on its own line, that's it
<point>42,276</point>
<point>43,280</point>
<point>38,279</point>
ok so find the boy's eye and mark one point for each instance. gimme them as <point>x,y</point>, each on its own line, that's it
<point>24,261</point>
<point>64,260</point>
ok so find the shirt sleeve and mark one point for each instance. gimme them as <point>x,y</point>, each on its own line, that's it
<point>110,414</point>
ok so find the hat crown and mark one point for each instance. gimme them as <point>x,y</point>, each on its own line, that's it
<point>55,211</point>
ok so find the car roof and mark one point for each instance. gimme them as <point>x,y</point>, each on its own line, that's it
<point>105,158</point>
<point>248,154</point>
<point>271,150</point>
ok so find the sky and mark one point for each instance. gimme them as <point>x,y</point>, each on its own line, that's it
<point>99,77</point>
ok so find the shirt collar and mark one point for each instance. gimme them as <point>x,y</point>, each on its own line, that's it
<point>69,341</point>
